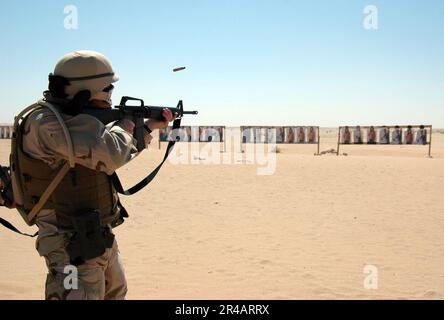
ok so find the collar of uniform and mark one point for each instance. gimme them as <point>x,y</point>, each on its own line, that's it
<point>58,101</point>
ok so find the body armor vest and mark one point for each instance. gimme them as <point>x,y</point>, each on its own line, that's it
<point>80,189</point>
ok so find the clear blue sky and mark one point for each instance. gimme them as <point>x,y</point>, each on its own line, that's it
<point>270,62</point>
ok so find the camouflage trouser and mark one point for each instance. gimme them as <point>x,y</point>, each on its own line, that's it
<point>97,279</point>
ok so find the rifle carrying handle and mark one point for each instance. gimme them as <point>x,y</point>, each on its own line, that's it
<point>126,98</point>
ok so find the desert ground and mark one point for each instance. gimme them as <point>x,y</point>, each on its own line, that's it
<point>207,231</point>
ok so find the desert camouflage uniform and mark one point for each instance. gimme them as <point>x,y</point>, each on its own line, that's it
<point>95,147</point>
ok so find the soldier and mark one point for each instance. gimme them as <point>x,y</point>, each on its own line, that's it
<point>384,135</point>
<point>86,196</point>
<point>409,135</point>
<point>301,135</point>
<point>312,135</point>
<point>346,135</point>
<point>397,135</point>
<point>290,135</point>
<point>358,135</point>
<point>421,135</point>
<point>371,136</point>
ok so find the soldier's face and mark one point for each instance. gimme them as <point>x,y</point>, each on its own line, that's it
<point>99,104</point>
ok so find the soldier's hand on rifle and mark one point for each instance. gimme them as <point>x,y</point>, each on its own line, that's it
<point>126,125</point>
<point>159,124</point>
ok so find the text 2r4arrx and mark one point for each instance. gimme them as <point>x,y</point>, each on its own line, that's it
<point>244,309</point>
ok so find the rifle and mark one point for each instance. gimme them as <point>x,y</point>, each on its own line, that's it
<point>135,113</point>
<point>138,114</point>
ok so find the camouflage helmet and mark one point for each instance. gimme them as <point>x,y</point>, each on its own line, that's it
<point>85,70</point>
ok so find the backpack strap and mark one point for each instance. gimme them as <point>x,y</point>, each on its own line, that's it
<point>71,157</point>
<point>62,171</point>
<point>49,190</point>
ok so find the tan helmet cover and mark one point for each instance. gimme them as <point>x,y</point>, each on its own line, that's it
<point>85,70</point>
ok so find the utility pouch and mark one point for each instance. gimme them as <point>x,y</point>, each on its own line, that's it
<point>6,194</point>
<point>90,239</point>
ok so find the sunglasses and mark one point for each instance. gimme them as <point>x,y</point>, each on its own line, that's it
<point>109,88</point>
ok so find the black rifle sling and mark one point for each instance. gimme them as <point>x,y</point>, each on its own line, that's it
<point>144,182</point>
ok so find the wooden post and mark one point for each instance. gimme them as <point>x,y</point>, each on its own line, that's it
<point>430,142</point>
<point>241,138</point>
<point>319,139</point>
<point>225,140</point>
<point>339,141</point>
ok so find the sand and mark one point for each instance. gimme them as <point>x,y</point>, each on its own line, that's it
<point>305,232</point>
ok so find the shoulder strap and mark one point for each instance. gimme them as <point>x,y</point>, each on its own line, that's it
<point>144,182</point>
<point>62,172</point>
<point>71,158</point>
<point>49,190</point>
